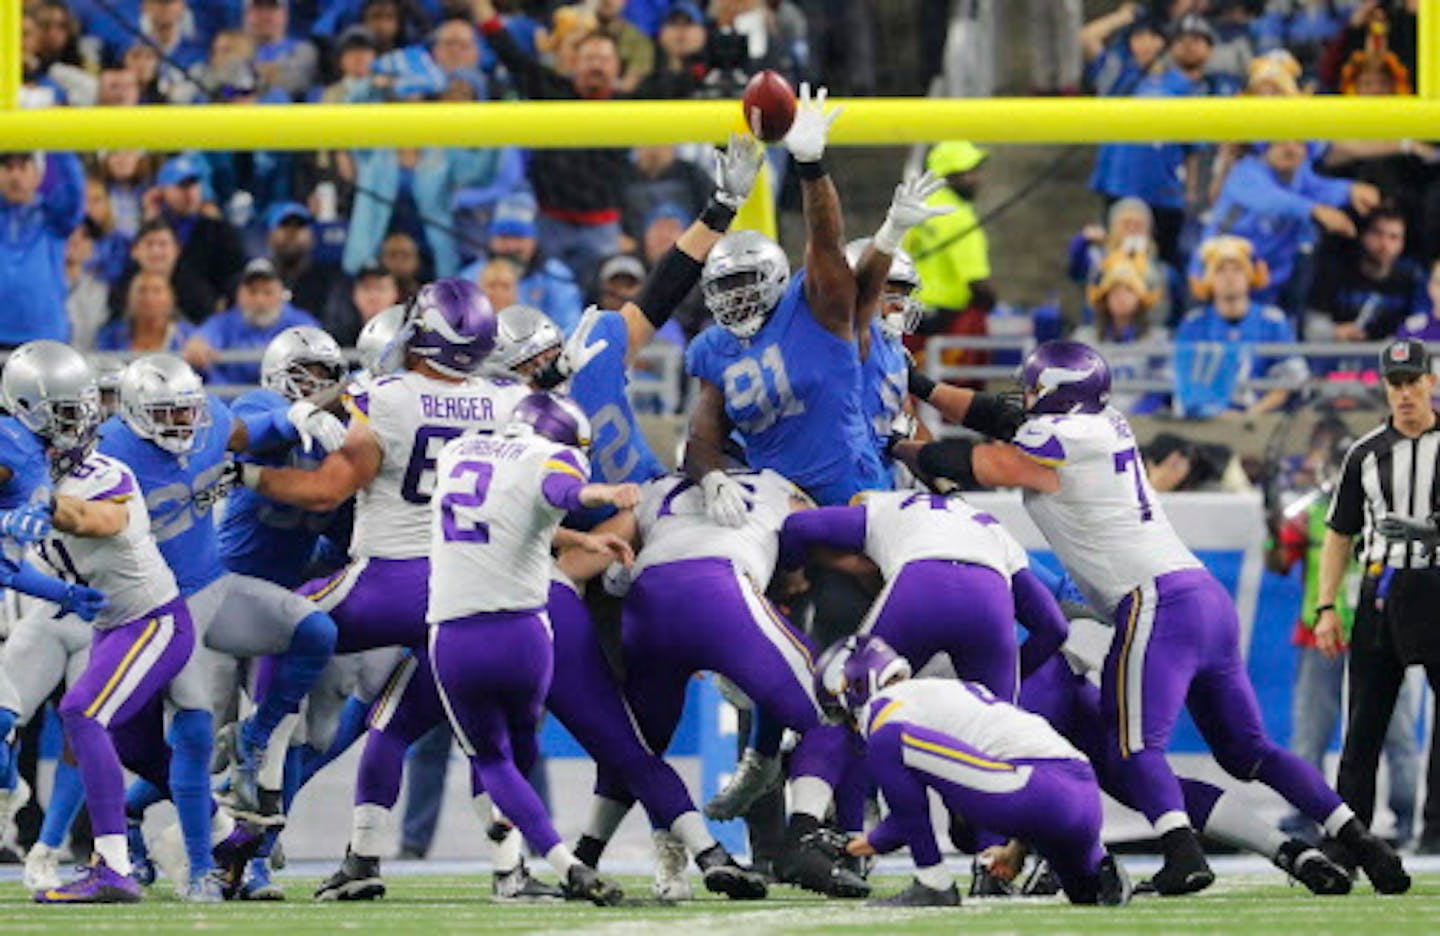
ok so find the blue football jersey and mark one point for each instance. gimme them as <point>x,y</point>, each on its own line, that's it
<point>23,452</point>
<point>793,393</point>
<point>885,379</point>
<point>262,537</point>
<point>181,492</point>
<point>618,452</point>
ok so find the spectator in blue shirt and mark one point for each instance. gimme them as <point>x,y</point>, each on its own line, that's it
<point>546,284</point>
<point>1119,49</point>
<point>1273,200</point>
<point>1214,347</point>
<point>152,321</point>
<point>285,64</point>
<point>1364,290</point>
<point>42,199</point>
<point>1163,174</point>
<point>169,25</point>
<point>262,311</point>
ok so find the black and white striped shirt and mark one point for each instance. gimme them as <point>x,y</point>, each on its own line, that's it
<point>1386,472</point>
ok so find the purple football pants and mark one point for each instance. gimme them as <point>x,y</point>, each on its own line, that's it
<point>375,603</point>
<point>958,608</point>
<point>685,617</point>
<point>130,665</point>
<point>1178,644</point>
<point>1051,804</point>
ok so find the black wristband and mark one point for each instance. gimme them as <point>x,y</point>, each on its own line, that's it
<point>949,459</point>
<point>1321,609</point>
<point>811,171</point>
<point>668,285</point>
<point>992,415</point>
<point>921,386</point>
<point>717,216</point>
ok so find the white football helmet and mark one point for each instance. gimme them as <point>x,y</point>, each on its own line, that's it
<point>743,279</point>
<point>51,389</point>
<point>162,399</point>
<point>379,334</point>
<point>900,311</point>
<point>300,361</point>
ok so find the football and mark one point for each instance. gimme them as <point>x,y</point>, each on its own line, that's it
<point>770,96</point>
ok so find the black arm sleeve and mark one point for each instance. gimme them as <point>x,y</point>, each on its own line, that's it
<point>992,415</point>
<point>535,80</point>
<point>668,285</point>
<point>920,386</point>
<point>949,459</point>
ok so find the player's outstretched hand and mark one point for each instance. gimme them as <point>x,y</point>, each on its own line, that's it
<point>808,134</point>
<point>316,427</point>
<point>908,207</point>
<point>579,350</point>
<point>83,601</point>
<point>28,523</point>
<point>725,501</point>
<point>736,167</point>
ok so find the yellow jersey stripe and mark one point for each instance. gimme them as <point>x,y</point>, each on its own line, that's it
<point>941,750</point>
<point>556,464</point>
<point>884,715</point>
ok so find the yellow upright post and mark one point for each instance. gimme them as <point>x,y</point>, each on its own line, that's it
<point>758,212</point>
<point>1428,54</point>
<point>11,56</point>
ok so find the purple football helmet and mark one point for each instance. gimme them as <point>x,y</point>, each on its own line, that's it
<point>1066,377</point>
<point>556,417</point>
<point>871,666</point>
<point>451,326</point>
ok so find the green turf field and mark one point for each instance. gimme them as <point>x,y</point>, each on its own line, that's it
<point>435,905</point>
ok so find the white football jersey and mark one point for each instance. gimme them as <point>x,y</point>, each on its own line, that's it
<point>904,526</point>
<point>1105,524</point>
<point>491,526</point>
<point>128,566</point>
<point>413,416</point>
<point>970,713</point>
<point>674,525</point>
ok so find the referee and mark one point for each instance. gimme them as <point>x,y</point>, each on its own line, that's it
<point>1388,496</point>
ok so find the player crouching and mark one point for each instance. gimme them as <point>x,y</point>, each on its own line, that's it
<point>990,762</point>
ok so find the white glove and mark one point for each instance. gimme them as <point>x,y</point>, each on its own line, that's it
<point>735,169</point>
<point>578,350</point>
<point>316,427</point>
<point>725,502</point>
<point>806,139</point>
<point>908,209</point>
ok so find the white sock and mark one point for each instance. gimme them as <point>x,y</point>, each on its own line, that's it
<point>689,828</point>
<point>116,853</point>
<point>369,832</point>
<point>1235,823</point>
<point>605,817</point>
<point>935,877</point>
<point>1337,819</point>
<point>562,860</point>
<point>221,825</point>
<point>272,767</point>
<point>810,796</point>
<point>507,851</point>
<point>1172,820</point>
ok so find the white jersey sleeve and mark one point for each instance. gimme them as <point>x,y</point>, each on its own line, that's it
<point>906,526</point>
<point>674,525</point>
<point>1105,523</point>
<point>128,566</point>
<point>491,525</point>
<point>968,712</point>
<point>412,417</point>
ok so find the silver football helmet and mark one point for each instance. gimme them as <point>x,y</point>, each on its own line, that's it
<point>163,400</point>
<point>900,311</point>
<point>743,278</point>
<point>523,334</point>
<point>379,334</point>
<point>107,376</point>
<point>300,361</point>
<point>51,389</point>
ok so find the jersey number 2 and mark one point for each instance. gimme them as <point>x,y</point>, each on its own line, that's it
<point>454,529</point>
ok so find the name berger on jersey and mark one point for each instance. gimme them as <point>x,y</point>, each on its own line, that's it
<point>452,407</point>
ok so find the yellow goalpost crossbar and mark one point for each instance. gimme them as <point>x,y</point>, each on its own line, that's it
<point>867,122</point>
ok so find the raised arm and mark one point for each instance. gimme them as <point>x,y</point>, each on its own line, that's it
<point>829,281</point>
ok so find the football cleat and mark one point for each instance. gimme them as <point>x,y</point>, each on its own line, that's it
<point>919,895</point>
<point>97,884</point>
<point>1311,867</point>
<point>814,864</point>
<point>754,776</point>
<point>1376,858</point>
<point>520,886</point>
<point>584,883</point>
<point>670,885</point>
<point>722,874</point>
<point>233,853</point>
<point>1185,870</point>
<point>358,879</point>
<point>205,888</point>
<point>259,886</point>
<point>42,868</point>
<point>1115,889</point>
<point>1041,882</point>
